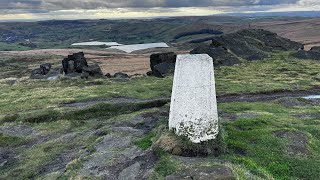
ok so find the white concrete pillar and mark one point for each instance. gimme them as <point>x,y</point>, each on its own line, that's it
<point>193,109</point>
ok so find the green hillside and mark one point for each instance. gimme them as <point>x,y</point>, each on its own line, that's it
<point>85,129</point>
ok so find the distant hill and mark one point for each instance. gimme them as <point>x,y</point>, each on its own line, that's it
<point>289,14</point>
<point>182,32</point>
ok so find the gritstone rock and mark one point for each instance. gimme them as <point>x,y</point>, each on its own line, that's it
<point>41,72</point>
<point>162,64</point>
<point>250,44</point>
<point>76,65</point>
<point>220,55</point>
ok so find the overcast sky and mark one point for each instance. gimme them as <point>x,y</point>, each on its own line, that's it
<point>91,9</point>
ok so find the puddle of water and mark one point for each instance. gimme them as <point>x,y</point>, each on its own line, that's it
<point>312,97</point>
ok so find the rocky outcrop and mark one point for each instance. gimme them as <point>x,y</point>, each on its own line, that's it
<point>313,53</point>
<point>77,65</point>
<point>93,70</point>
<point>231,49</point>
<point>41,72</point>
<point>74,63</point>
<point>162,64</point>
<point>250,44</point>
<point>220,55</point>
<point>269,40</point>
<point>254,44</point>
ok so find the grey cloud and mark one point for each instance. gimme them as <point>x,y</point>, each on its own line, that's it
<point>20,4</point>
<point>94,4</point>
<point>89,4</point>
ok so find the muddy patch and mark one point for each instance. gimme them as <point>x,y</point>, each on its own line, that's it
<point>292,102</point>
<point>266,96</point>
<point>298,142</point>
<point>289,98</point>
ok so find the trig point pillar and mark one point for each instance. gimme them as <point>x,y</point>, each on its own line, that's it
<point>193,109</point>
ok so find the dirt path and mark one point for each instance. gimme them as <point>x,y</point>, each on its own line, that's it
<point>250,97</point>
<point>120,100</point>
<point>256,97</point>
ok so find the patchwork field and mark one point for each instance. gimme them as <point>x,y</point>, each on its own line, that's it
<point>99,128</point>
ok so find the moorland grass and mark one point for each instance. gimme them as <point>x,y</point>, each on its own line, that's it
<point>251,142</point>
<point>279,72</point>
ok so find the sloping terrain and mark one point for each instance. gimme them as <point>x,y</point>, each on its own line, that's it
<point>103,128</point>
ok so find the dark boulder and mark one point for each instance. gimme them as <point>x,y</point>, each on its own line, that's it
<point>77,65</point>
<point>163,69</point>
<point>41,72</point>
<point>108,75</point>
<point>162,64</point>
<point>220,55</point>
<point>120,75</point>
<point>169,57</point>
<point>93,70</point>
<point>45,68</point>
<point>74,63</point>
